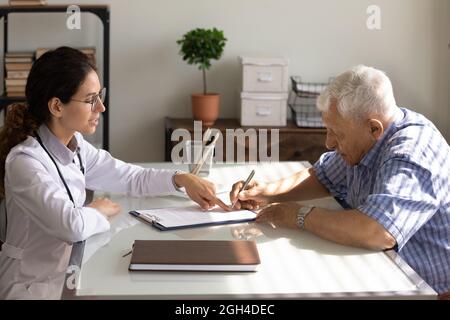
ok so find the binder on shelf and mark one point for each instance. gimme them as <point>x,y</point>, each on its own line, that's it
<point>194,255</point>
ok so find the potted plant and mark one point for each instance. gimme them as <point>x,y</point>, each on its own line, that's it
<point>199,47</point>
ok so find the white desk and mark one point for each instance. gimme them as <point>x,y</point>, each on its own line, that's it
<point>294,264</point>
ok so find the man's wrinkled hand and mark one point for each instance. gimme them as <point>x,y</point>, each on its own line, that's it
<point>280,215</point>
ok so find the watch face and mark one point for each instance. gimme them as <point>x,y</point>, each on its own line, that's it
<point>302,213</point>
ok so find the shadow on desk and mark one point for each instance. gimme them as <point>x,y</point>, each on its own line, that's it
<point>263,232</point>
<point>300,239</point>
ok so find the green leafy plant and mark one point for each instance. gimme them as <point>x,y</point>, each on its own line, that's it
<point>200,46</point>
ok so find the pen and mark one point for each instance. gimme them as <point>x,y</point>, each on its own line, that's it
<point>243,187</point>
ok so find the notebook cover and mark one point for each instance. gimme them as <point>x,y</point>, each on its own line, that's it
<point>195,252</point>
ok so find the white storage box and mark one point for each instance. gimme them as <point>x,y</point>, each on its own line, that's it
<point>263,109</point>
<point>264,75</point>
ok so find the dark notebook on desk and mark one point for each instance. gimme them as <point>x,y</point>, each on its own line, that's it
<point>194,255</point>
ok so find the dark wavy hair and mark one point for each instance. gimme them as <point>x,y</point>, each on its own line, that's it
<point>56,74</point>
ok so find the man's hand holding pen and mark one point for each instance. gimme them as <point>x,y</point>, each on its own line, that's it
<point>251,194</point>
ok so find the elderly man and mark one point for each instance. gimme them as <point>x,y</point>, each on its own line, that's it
<point>389,169</point>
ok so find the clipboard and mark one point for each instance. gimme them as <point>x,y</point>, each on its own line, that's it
<point>191,217</point>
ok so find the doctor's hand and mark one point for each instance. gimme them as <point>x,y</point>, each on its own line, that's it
<point>199,190</point>
<point>105,206</point>
<point>255,195</point>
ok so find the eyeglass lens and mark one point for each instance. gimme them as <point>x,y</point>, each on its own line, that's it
<point>101,96</point>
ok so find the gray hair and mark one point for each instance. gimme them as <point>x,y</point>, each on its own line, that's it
<point>359,92</point>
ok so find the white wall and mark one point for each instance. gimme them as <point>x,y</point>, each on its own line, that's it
<point>321,38</point>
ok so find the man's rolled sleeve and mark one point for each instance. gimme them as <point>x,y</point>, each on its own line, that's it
<point>402,200</point>
<point>331,169</point>
<point>374,208</point>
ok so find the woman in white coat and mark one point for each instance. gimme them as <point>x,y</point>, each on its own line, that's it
<point>45,167</point>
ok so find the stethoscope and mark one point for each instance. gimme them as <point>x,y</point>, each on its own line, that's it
<point>57,168</point>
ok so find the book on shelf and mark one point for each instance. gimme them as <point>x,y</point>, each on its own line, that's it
<point>19,94</point>
<point>21,74</point>
<point>15,82</point>
<point>41,51</point>
<point>89,51</point>
<point>15,93</point>
<point>24,66</point>
<point>19,53</point>
<point>19,88</point>
<point>18,3</point>
<point>18,59</point>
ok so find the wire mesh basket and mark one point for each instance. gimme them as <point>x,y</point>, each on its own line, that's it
<point>302,102</point>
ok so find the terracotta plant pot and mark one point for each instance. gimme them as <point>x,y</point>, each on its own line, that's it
<point>205,107</point>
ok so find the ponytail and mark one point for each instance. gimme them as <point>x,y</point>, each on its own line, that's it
<point>19,124</point>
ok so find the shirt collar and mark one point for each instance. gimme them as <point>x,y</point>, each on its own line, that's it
<point>369,159</point>
<point>64,154</point>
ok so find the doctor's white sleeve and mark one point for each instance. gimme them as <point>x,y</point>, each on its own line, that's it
<point>106,173</point>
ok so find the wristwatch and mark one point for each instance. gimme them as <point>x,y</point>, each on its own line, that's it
<point>301,215</point>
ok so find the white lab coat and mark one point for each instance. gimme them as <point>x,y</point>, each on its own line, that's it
<point>43,222</point>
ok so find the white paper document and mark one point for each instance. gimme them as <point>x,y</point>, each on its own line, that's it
<point>193,216</point>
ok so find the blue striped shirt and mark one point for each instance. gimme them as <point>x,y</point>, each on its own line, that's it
<point>403,183</point>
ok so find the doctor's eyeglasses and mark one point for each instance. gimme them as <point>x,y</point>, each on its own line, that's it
<point>94,100</point>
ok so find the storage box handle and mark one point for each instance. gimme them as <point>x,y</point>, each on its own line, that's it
<point>265,77</point>
<point>262,64</point>
<point>267,98</point>
<point>263,111</point>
